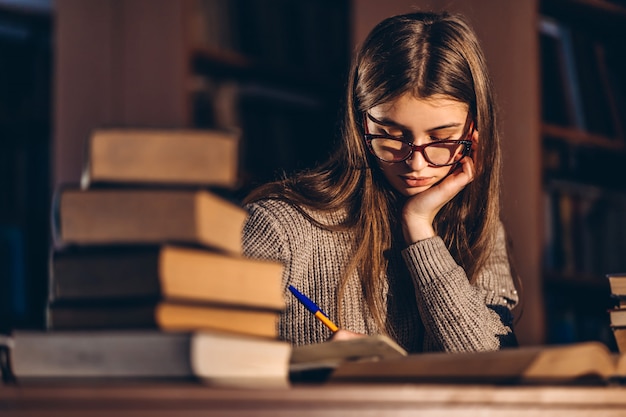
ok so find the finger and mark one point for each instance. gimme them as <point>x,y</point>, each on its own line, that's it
<point>465,173</point>
<point>469,167</point>
<point>345,335</point>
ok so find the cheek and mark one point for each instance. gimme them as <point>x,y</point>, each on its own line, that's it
<point>444,171</point>
<point>402,168</point>
<point>389,170</point>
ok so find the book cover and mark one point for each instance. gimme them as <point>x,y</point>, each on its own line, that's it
<point>163,315</point>
<point>147,216</point>
<point>169,272</point>
<point>200,157</point>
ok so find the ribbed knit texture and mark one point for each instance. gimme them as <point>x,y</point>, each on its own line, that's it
<point>431,305</point>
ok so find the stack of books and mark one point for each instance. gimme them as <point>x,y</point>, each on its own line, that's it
<point>617,315</point>
<point>146,273</point>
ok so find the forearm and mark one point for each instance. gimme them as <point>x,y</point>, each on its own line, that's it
<point>457,315</point>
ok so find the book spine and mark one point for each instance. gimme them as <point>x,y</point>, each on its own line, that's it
<point>587,225</point>
<point>101,354</point>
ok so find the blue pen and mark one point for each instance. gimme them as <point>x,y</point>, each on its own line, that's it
<point>313,308</point>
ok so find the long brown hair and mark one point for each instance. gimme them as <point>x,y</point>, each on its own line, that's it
<point>424,54</point>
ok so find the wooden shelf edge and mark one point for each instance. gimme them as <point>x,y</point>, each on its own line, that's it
<point>580,138</point>
<point>222,63</point>
<point>603,5</point>
<point>222,57</point>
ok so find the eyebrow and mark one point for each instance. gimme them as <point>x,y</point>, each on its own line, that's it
<point>391,123</point>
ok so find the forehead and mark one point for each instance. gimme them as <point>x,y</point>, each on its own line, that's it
<point>408,108</point>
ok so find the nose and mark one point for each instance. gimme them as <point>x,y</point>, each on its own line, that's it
<point>417,161</point>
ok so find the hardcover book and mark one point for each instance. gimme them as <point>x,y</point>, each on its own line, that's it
<point>162,315</point>
<point>617,284</point>
<point>162,156</point>
<point>148,216</point>
<point>169,272</point>
<point>215,358</point>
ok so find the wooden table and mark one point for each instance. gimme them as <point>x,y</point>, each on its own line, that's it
<point>190,399</point>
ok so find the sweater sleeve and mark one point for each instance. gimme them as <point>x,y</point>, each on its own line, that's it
<point>459,316</point>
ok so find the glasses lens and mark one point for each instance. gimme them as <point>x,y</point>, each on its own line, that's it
<point>444,153</point>
<point>390,150</point>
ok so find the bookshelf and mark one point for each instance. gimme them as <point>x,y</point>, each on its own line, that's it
<point>272,68</point>
<point>583,95</point>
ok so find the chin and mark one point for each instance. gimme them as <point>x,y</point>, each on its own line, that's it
<point>411,191</point>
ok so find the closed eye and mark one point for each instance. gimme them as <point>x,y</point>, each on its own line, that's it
<point>398,137</point>
<point>439,138</point>
<point>384,133</point>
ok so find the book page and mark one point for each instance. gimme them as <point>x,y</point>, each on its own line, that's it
<point>551,364</point>
<point>330,354</point>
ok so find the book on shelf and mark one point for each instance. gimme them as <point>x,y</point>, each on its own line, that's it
<point>147,216</point>
<point>596,93</point>
<point>307,37</point>
<point>167,271</point>
<point>614,67</point>
<point>578,87</point>
<point>213,25</point>
<point>215,358</point>
<point>613,95</point>
<point>586,224</point>
<point>163,315</point>
<point>561,97</point>
<point>192,157</point>
<point>583,362</point>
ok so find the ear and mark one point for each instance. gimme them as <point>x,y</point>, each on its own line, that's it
<point>475,139</point>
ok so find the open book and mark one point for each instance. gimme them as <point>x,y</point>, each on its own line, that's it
<point>315,362</point>
<point>575,363</point>
<point>334,352</point>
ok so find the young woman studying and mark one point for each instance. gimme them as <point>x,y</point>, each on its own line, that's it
<point>399,232</point>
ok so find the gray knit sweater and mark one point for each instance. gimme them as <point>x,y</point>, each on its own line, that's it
<point>431,306</point>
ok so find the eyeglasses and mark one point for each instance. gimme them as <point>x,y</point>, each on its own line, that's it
<point>395,149</point>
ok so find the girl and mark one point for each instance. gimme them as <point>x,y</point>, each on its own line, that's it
<point>399,232</point>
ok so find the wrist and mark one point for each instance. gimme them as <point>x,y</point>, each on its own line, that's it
<point>416,231</point>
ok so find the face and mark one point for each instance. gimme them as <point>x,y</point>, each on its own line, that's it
<point>419,121</point>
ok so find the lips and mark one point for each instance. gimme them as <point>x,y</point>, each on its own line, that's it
<point>417,181</point>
